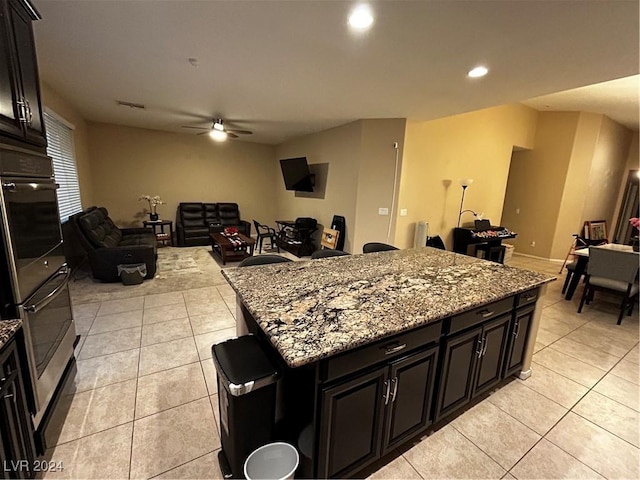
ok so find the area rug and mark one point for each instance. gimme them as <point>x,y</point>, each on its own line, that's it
<point>177,269</point>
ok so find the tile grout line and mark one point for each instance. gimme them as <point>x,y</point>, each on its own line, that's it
<point>135,398</point>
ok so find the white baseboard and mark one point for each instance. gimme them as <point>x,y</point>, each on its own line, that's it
<point>554,260</point>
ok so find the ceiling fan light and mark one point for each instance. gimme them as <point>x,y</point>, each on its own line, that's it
<point>217,125</point>
<point>218,135</point>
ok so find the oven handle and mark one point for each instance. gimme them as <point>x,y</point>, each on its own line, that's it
<point>14,187</point>
<point>53,294</point>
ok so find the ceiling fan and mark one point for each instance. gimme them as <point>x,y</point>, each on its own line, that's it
<point>219,131</point>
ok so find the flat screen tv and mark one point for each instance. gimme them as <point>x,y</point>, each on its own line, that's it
<point>296,174</point>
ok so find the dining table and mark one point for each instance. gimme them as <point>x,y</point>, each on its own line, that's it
<point>582,260</point>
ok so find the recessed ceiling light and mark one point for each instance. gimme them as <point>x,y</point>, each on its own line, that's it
<point>477,72</point>
<point>361,17</point>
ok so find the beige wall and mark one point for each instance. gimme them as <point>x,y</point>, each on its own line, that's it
<point>377,173</point>
<point>129,162</point>
<point>570,209</point>
<point>607,171</point>
<point>340,147</point>
<point>572,175</point>
<point>632,165</point>
<point>439,153</point>
<point>64,109</point>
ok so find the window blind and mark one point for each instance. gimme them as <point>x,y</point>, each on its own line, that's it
<point>61,149</point>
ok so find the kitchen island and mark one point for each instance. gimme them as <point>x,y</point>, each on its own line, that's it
<point>378,348</point>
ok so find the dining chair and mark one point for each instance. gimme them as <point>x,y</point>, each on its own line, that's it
<point>377,247</point>
<point>263,260</point>
<point>612,271</point>
<point>327,253</point>
<point>578,242</point>
<point>265,231</point>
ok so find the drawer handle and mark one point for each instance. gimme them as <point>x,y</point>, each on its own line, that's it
<point>529,297</point>
<point>485,313</point>
<point>396,348</point>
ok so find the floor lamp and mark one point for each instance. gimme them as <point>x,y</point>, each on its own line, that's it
<point>465,182</point>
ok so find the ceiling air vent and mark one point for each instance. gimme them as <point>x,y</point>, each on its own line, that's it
<point>130,105</point>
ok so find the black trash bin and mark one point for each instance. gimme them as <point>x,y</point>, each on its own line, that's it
<point>247,377</point>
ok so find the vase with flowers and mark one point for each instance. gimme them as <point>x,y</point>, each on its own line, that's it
<point>153,201</point>
<point>635,241</point>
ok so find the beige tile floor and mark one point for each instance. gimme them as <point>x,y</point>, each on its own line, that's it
<point>144,404</point>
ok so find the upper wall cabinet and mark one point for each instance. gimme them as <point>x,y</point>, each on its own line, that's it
<point>20,109</point>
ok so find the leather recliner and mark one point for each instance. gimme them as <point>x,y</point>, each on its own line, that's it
<point>108,246</point>
<point>195,221</point>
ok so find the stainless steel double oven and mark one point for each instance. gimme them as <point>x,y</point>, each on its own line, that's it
<point>34,275</point>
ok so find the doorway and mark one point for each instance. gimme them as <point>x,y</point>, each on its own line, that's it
<point>628,209</point>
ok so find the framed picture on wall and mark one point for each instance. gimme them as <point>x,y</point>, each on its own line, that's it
<point>597,230</point>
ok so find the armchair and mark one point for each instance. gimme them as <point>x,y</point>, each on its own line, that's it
<point>108,246</point>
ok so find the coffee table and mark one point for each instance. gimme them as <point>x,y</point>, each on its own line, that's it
<point>227,251</point>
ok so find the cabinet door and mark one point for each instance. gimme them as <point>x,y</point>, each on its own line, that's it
<point>458,367</point>
<point>518,340</point>
<point>9,113</point>
<point>28,69</point>
<point>411,389</point>
<point>350,424</point>
<point>494,347</point>
<point>17,430</point>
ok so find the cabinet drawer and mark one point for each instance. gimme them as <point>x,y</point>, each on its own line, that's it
<point>380,351</point>
<point>478,315</point>
<point>525,298</point>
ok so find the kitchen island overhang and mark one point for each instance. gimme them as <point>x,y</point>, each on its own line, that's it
<point>332,321</point>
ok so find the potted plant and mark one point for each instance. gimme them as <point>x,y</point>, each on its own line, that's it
<point>153,204</point>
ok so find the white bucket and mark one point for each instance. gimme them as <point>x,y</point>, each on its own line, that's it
<point>274,461</point>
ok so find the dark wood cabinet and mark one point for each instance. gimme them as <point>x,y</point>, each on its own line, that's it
<point>350,427</point>
<point>411,390</point>
<point>365,417</point>
<point>494,346</point>
<point>472,363</point>
<point>16,432</point>
<point>518,336</point>
<point>460,354</point>
<point>21,117</point>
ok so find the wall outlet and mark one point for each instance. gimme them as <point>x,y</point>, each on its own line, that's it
<point>532,244</point>
<point>403,212</point>
<point>383,211</point>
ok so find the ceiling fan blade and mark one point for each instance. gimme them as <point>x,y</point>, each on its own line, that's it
<point>232,135</point>
<point>199,128</point>
<point>239,132</point>
<point>204,133</point>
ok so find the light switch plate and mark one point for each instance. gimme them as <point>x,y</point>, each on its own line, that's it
<point>383,211</point>
<point>403,212</point>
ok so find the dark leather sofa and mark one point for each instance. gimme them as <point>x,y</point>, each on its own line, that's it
<point>108,246</point>
<point>195,221</point>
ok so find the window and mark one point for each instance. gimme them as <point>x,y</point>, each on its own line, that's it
<point>60,148</point>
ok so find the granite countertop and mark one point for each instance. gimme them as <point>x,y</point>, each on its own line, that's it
<point>314,309</point>
<point>7,329</point>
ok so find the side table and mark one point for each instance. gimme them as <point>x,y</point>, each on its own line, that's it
<point>161,235</point>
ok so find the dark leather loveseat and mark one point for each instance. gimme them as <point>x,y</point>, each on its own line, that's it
<point>109,246</point>
<point>195,221</point>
